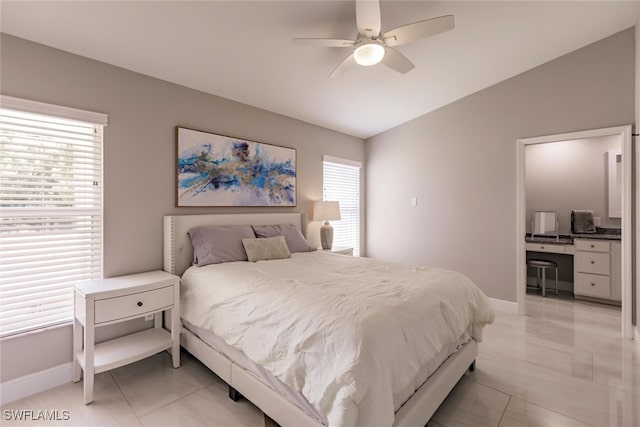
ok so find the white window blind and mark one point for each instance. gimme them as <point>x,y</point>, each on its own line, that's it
<point>50,215</point>
<point>341,182</point>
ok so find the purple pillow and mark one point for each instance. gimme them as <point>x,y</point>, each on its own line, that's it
<point>217,244</point>
<point>294,238</point>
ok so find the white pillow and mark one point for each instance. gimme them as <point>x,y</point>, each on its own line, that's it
<point>266,249</point>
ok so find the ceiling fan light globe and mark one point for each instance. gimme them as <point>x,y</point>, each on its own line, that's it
<point>369,54</point>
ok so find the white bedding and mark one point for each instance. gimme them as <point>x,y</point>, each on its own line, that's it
<point>348,333</point>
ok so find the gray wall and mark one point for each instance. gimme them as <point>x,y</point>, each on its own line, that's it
<point>139,159</point>
<point>460,162</point>
<point>569,175</point>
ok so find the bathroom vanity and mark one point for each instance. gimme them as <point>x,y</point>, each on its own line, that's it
<point>596,263</point>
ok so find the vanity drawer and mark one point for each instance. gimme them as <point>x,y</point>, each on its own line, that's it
<point>592,262</point>
<point>592,285</point>
<point>545,247</point>
<point>591,245</point>
<point>140,303</point>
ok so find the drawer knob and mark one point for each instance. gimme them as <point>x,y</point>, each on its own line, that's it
<point>139,303</point>
<point>593,262</point>
<point>541,247</point>
<point>593,246</point>
<point>593,284</point>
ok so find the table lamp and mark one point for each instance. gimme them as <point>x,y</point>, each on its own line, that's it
<point>326,211</point>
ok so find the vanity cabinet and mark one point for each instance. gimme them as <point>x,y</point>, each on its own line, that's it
<point>597,269</point>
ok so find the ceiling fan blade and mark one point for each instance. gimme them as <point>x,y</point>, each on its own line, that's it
<point>344,66</point>
<point>325,42</point>
<point>368,17</point>
<point>397,61</point>
<point>418,30</point>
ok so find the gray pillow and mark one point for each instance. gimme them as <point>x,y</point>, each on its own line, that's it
<point>294,238</point>
<point>266,249</point>
<point>217,244</point>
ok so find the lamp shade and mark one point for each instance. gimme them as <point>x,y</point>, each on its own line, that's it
<point>326,211</point>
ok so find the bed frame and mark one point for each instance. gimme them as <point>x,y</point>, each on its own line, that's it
<point>178,256</point>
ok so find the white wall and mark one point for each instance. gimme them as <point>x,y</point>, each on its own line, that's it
<point>569,175</point>
<point>636,288</point>
<point>139,162</point>
<point>460,162</point>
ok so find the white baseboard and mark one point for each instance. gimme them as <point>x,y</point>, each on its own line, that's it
<point>503,306</point>
<point>35,383</point>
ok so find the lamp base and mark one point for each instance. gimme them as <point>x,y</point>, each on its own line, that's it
<point>326,235</point>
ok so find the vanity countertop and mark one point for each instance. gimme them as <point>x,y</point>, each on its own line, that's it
<point>598,236</point>
<point>563,239</point>
<point>567,239</point>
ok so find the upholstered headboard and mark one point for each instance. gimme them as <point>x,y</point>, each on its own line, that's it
<point>178,252</point>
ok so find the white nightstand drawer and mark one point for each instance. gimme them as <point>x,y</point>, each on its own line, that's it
<point>110,309</point>
<point>593,285</point>
<point>591,245</point>
<point>592,262</point>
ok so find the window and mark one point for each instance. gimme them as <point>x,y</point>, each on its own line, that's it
<point>341,182</point>
<point>50,211</point>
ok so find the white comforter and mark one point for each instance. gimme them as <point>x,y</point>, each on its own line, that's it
<point>348,333</point>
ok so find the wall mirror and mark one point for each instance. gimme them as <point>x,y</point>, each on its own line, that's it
<point>545,223</point>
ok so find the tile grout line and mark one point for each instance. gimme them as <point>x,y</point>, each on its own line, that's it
<point>115,381</point>
<point>613,335</point>
<point>490,387</point>
<point>167,403</point>
<point>497,353</point>
<point>547,366</point>
<point>175,400</point>
<point>504,411</point>
<point>530,403</point>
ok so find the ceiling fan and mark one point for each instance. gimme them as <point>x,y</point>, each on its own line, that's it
<point>372,46</point>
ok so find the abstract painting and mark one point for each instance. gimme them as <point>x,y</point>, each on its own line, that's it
<point>217,170</point>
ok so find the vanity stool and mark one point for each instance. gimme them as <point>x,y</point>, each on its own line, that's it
<point>541,269</point>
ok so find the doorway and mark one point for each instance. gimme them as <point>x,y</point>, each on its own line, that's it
<point>624,132</point>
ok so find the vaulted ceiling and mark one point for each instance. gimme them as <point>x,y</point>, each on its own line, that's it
<point>242,50</point>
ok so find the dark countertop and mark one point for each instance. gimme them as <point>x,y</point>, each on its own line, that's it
<point>597,236</point>
<point>567,239</point>
<point>561,240</point>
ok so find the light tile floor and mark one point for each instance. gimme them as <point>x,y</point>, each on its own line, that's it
<point>562,365</point>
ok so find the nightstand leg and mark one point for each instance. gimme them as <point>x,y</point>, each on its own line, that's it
<point>175,335</point>
<point>89,336</point>
<point>175,355</point>
<point>88,387</point>
<point>77,348</point>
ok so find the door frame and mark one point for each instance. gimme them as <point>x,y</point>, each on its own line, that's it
<point>627,210</point>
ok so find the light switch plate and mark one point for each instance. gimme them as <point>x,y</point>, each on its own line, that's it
<point>414,201</point>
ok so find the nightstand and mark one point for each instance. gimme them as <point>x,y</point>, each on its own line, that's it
<point>117,299</point>
<point>341,251</point>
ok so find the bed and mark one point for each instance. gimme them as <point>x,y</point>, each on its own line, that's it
<point>282,398</point>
